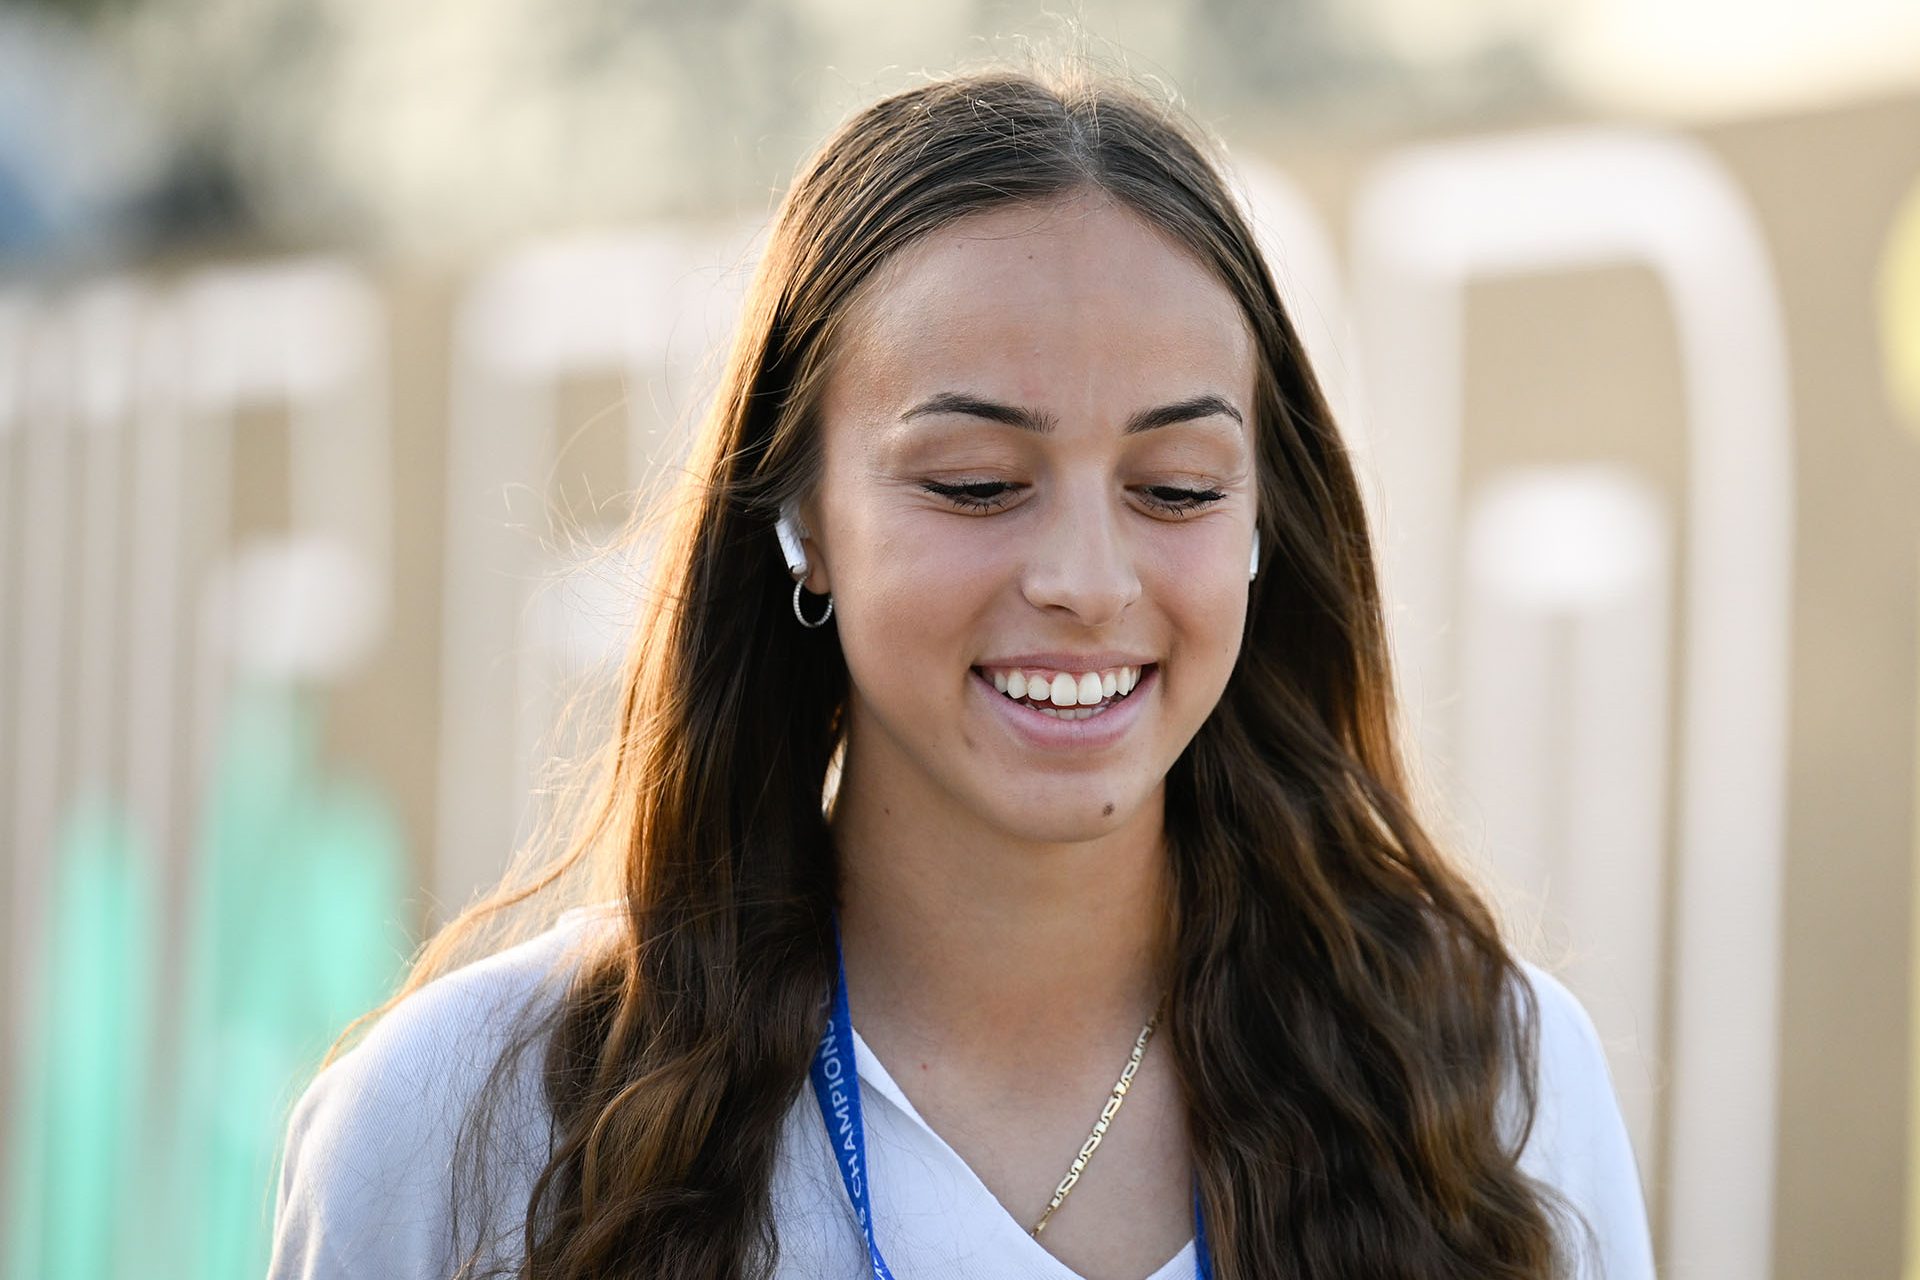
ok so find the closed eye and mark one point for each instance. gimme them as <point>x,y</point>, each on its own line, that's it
<point>1176,499</point>
<point>990,495</point>
<point>985,496</point>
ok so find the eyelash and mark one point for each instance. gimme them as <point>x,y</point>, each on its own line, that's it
<point>966,495</point>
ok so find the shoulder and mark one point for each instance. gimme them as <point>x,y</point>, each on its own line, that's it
<point>367,1176</point>
<point>1578,1142</point>
<point>1572,1058</point>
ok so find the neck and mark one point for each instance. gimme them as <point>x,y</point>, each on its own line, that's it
<point>966,940</point>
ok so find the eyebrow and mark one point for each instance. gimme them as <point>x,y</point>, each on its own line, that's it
<point>1200,406</point>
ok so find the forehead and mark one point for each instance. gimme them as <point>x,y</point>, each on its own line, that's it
<point>1078,306</point>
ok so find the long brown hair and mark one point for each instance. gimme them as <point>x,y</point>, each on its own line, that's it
<point>1345,1019</point>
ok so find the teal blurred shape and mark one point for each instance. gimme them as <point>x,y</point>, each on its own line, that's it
<point>86,1058</point>
<point>296,930</point>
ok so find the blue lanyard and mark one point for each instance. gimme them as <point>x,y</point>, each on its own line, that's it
<point>836,1086</point>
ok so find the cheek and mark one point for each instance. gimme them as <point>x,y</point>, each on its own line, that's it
<point>906,604</point>
<point>932,566</point>
<point>1206,600</point>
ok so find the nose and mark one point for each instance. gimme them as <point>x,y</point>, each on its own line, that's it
<point>1080,562</point>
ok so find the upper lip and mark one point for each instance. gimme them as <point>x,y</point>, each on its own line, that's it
<point>1069,661</point>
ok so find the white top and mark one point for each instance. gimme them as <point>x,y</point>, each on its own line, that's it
<point>368,1169</point>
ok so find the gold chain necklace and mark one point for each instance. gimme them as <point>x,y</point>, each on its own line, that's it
<point>1107,1113</point>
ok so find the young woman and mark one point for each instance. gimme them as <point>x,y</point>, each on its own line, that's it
<point>1009,862</point>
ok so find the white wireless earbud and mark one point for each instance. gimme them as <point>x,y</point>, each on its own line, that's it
<point>1253,561</point>
<point>788,529</point>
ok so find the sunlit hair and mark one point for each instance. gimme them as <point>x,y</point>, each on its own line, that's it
<point>1355,1043</point>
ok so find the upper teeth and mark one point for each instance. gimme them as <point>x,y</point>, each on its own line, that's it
<point>1064,688</point>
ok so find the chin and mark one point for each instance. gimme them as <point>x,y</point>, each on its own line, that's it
<point>1073,825</point>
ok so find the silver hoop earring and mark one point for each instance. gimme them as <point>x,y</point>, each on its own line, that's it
<point>803,617</point>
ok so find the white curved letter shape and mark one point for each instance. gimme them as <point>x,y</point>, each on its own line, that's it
<point>646,305</point>
<point>1427,223</point>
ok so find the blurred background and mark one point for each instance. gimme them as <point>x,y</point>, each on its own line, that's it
<point>337,337</point>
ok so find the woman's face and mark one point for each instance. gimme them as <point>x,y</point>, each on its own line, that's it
<point>1039,472</point>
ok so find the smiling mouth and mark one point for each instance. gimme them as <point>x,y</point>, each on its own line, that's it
<point>1060,697</point>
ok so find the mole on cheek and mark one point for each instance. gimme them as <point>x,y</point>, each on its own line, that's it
<point>967,742</point>
<point>1108,811</point>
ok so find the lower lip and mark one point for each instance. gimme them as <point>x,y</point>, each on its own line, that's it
<point>1042,730</point>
